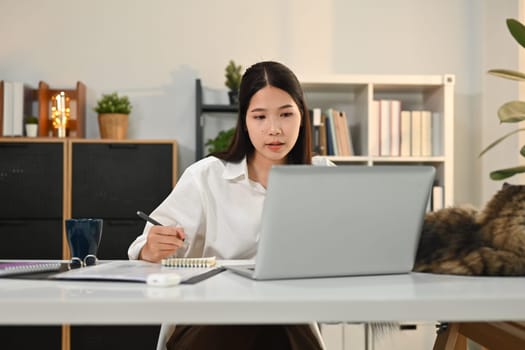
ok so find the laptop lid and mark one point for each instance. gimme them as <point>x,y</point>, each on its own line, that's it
<point>341,221</point>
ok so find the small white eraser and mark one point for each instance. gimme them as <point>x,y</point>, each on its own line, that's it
<point>163,279</point>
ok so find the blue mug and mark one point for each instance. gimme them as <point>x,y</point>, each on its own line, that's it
<point>83,237</point>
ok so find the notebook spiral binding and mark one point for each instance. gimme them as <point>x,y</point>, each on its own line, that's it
<point>189,262</point>
<point>17,267</point>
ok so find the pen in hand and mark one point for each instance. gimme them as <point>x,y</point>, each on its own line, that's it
<point>148,218</point>
<point>151,220</point>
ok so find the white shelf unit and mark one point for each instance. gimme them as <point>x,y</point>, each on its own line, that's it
<point>358,336</point>
<point>354,94</point>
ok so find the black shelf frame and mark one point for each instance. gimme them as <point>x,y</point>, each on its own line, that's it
<point>201,108</point>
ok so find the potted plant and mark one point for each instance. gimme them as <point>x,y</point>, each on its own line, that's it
<point>513,111</point>
<point>113,114</point>
<point>221,141</point>
<point>233,81</point>
<point>31,126</point>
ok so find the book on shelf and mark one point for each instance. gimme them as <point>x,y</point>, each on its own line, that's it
<point>384,128</point>
<point>323,150</point>
<point>344,139</point>
<point>438,201</point>
<point>17,100</point>
<point>330,134</point>
<point>395,127</point>
<point>315,116</point>
<point>334,134</point>
<point>437,137</point>
<point>18,108</point>
<point>139,271</point>
<point>373,129</point>
<point>338,133</point>
<point>426,133</point>
<point>403,133</point>
<point>405,130</point>
<point>416,133</point>
<point>334,126</point>
<point>7,107</point>
<point>347,132</point>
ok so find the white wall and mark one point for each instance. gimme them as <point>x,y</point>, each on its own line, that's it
<point>153,50</point>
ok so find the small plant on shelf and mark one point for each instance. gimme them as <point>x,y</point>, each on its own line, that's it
<point>221,141</point>
<point>113,114</point>
<point>31,126</point>
<point>113,103</point>
<point>31,119</point>
<point>233,81</point>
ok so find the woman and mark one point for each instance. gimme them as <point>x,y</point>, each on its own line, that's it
<point>215,208</point>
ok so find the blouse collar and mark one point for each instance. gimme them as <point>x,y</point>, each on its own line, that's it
<point>236,171</point>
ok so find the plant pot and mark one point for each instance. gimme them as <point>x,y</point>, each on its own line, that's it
<point>234,97</point>
<point>113,125</point>
<point>31,130</point>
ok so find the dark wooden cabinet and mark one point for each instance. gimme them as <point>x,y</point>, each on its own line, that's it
<point>32,207</point>
<point>31,337</point>
<point>112,180</point>
<point>117,235</point>
<point>114,337</point>
<point>32,177</point>
<point>31,239</point>
<point>45,181</point>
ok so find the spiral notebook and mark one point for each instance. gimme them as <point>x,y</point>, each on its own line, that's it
<point>189,262</point>
<point>190,270</point>
<point>10,268</point>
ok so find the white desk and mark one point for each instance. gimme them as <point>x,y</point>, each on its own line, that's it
<point>228,298</point>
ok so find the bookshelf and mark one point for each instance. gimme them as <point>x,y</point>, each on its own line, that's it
<point>202,109</point>
<point>354,94</point>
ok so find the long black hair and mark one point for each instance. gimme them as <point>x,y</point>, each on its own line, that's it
<point>255,78</point>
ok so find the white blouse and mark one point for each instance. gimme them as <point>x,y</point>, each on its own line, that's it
<point>218,206</point>
<point>220,209</point>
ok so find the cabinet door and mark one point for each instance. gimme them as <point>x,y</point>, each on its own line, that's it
<point>114,337</point>
<point>117,235</point>
<point>114,180</point>
<point>31,188</point>
<point>31,180</point>
<point>31,239</point>
<point>31,337</point>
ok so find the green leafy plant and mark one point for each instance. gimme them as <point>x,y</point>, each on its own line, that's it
<point>233,76</point>
<point>31,119</point>
<point>512,111</point>
<point>221,141</point>
<point>113,103</point>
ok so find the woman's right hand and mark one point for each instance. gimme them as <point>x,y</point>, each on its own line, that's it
<point>162,242</point>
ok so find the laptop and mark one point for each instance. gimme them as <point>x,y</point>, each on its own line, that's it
<point>340,221</point>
